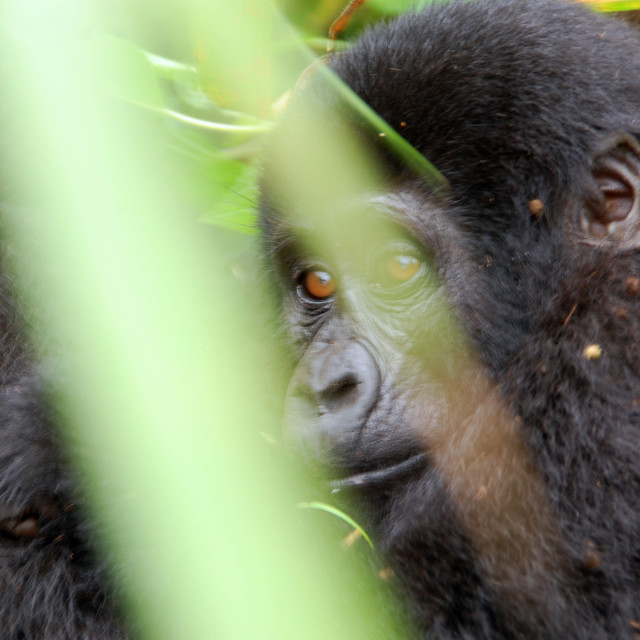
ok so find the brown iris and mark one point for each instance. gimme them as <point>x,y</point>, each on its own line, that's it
<point>319,284</point>
<point>401,268</point>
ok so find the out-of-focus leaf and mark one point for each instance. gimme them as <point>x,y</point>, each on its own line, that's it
<point>236,191</point>
<point>389,137</point>
<point>238,78</point>
<point>391,7</point>
<point>614,5</point>
<point>126,72</point>
<point>172,90</point>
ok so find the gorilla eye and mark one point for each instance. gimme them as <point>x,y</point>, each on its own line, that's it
<point>402,268</point>
<point>395,271</point>
<point>318,284</point>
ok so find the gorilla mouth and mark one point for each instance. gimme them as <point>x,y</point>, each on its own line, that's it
<point>385,475</point>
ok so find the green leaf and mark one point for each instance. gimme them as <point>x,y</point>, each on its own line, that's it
<point>322,506</point>
<point>615,5</point>
<point>388,135</point>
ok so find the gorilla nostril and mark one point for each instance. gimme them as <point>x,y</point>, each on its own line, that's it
<point>340,393</point>
<point>330,397</point>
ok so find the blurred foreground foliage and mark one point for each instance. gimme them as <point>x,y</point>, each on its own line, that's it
<point>125,126</point>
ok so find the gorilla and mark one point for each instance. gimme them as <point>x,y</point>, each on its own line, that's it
<point>52,585</point>
<point>468,347</point>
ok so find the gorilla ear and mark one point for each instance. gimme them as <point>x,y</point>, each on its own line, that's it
<point>611,214</point>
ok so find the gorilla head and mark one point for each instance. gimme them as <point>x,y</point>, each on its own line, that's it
<point>468,357</point>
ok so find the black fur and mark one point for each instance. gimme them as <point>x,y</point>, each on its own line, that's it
<point>514,101</point>
<point>52,587</point>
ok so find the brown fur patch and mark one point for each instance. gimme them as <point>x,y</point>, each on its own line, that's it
<point>499,495</point>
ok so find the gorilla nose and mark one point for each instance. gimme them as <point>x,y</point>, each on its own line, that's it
<point>331,395</point>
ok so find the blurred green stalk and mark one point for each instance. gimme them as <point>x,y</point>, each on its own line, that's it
<point>163,406</point>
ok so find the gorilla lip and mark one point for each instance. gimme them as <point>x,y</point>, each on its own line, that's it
<point>380,476</point>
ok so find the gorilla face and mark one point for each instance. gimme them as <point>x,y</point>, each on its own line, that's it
<point>372,319</point>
